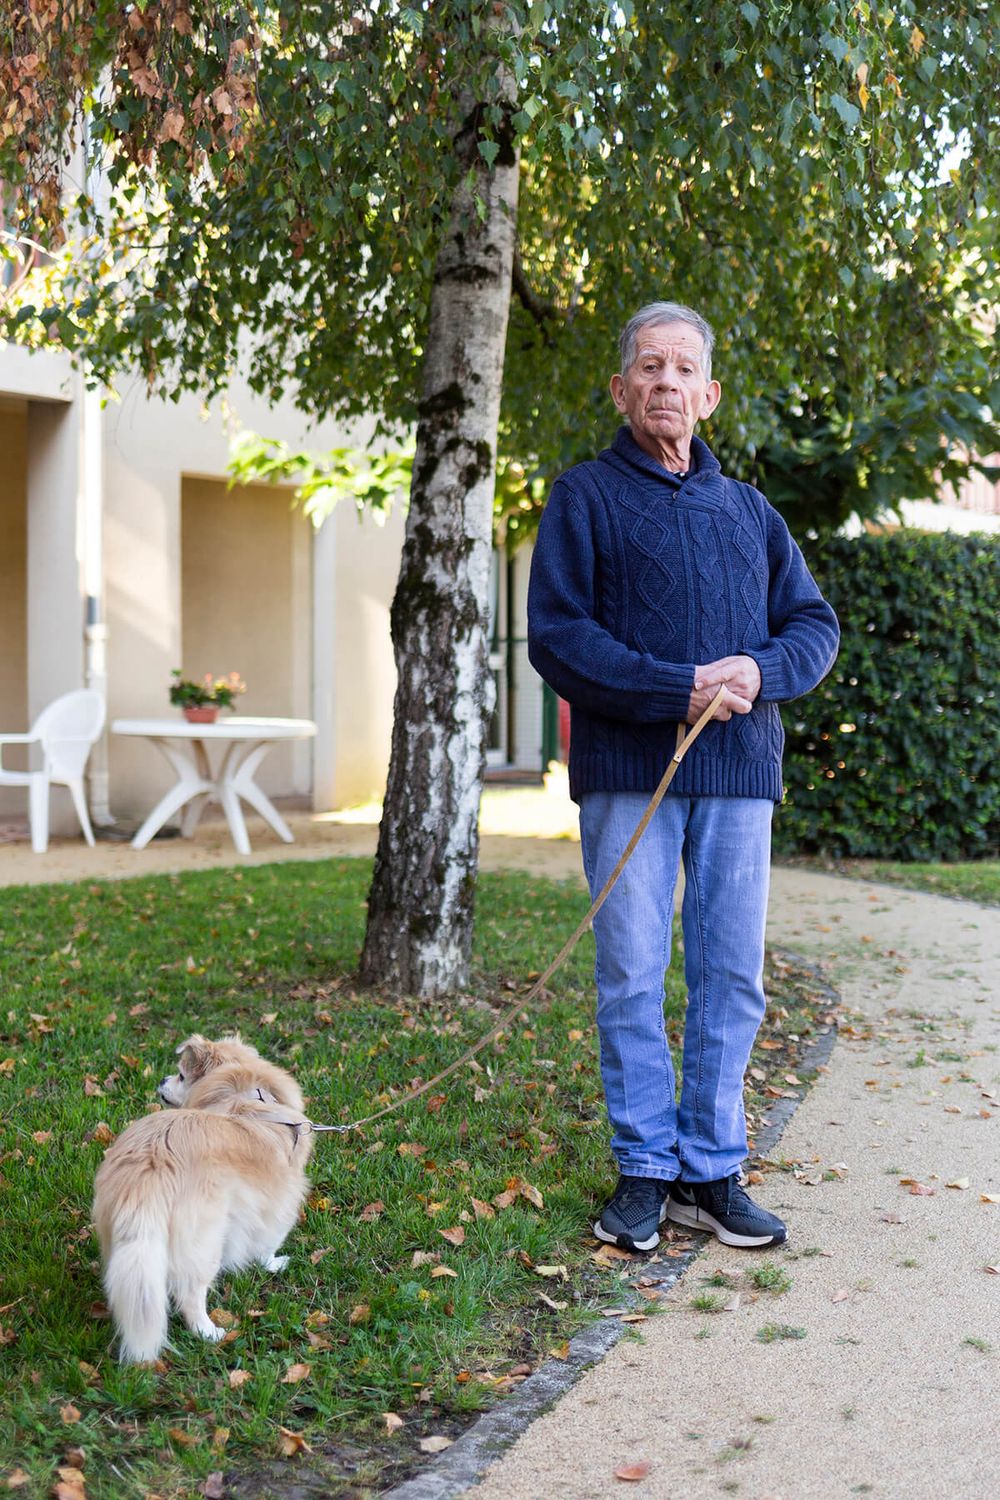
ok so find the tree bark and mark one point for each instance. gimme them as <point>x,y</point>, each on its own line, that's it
<point>420,908</point>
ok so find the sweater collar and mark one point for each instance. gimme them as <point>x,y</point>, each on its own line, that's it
<point>704,463</point>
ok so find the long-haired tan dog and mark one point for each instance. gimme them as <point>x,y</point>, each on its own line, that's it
<point>210,1185</point>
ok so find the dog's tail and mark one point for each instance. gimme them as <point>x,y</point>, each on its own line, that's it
<point>135,1281</point>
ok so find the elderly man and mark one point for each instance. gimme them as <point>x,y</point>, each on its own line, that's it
<point>656,579</point>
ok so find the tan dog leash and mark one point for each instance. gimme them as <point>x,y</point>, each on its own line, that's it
<point>684,743</point>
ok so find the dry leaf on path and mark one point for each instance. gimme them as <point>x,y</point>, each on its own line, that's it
<point>989,1198</point>
<point>435,1444</point>
<point>632,1471</point>
<point>841,1296</point>
<point>958,1182</point>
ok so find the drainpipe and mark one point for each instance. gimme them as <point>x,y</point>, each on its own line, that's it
<point>95,633</point>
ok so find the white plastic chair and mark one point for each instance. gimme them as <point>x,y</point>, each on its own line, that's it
<point>66,730</point>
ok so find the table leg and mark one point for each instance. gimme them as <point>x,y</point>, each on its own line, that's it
<point>241,777</point>
<point>198,804</point>
<point>190,783</point>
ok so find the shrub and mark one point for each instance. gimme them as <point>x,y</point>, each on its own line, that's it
<point>894,755</point>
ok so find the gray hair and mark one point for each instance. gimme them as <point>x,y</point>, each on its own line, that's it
<point>652,315</point>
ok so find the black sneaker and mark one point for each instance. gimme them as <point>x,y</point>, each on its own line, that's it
<point>723,1208</point>
<point>632,1217</point>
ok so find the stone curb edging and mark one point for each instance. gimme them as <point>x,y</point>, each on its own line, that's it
<point>471,1455</point>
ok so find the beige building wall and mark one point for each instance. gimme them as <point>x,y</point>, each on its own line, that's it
<point>246,606</point>
<point>193,576</point>
<point>367,567</point>
<point>13,592</point>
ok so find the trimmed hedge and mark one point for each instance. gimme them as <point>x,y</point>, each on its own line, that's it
<point>897,754</point>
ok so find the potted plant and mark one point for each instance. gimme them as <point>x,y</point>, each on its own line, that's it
<point>201,701</point>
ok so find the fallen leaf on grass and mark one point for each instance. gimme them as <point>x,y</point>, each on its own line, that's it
<point>213,1486</point>
<point>295,1373</point>
<point>424,1258</point>
<point>237,1378</point>
<point>69,1414</point>
<point>559,1271</point>
<point>454,1236</point>
<point>16,1479</point>
<point>435,1444</point>
<point>291,1443</point>
<point>41,1136</point>
<point>632,1471</point>
<point>410,1148</point>
<point>182,1437</point>
<point>482,1210</point>
<point>220,1437</point>
<point>393,1422</point>
<point>359,1314</point>
<point>555,1305</point>
<point>64,1491</point>
<point>371,1211</point>
<point>608,1254</point>
<point>316,1319</point>
<point>443,1271</point>
<point>222,1317</point>
<point>505,1199</point>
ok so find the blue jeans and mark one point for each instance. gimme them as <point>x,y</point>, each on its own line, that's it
<point>725,843</point>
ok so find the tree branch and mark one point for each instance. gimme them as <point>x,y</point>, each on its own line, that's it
<point>540,310</point>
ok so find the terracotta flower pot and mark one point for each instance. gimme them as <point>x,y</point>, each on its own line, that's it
<point>205,713</point>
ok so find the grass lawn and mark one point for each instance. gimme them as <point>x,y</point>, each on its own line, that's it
<point>378,1312</point>
<point>976,880</point>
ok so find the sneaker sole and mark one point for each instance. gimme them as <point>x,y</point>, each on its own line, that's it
<point>697,1218</point>
<point>625,1241</point>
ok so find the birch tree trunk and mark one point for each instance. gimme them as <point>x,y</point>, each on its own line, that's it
<point>420,909</point>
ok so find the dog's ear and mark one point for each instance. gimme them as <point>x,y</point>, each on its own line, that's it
<point>195,1055</point>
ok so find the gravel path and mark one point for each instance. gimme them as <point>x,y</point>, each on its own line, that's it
<point>888,1385</point>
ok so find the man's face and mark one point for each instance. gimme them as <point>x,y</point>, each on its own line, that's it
<point>665,393</point>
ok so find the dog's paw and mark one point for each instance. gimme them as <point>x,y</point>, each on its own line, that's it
<point>210,1331</point>
<point>276,1263</point>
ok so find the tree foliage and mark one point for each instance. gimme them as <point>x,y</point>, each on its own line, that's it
<point>276,177</point>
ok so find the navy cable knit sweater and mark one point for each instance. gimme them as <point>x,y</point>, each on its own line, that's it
<point>637,577</point>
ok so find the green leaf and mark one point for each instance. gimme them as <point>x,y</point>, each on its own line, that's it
<point>848,112</point>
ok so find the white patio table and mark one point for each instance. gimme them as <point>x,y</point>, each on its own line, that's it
<point>244,742</point>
